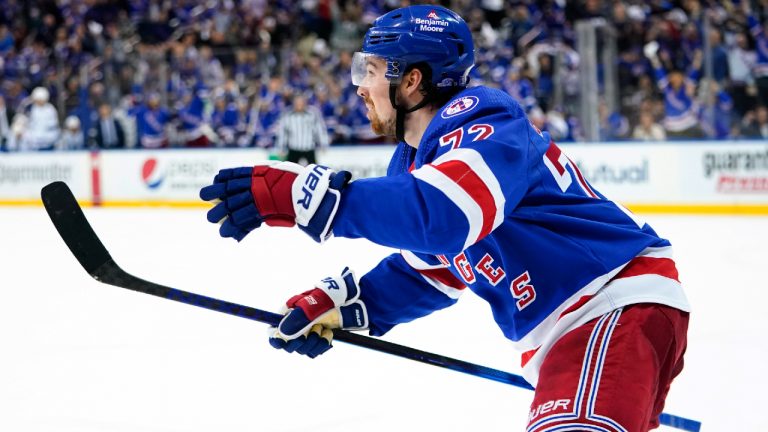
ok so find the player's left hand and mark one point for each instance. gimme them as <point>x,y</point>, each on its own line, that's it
<point>307,327</point>
<point>281,194</point>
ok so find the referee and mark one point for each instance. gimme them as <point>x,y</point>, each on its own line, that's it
<point>301,131</point>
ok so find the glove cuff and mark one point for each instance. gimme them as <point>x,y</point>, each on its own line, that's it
<point>316,197</point>
<point>354,316</point>
<point>342,290</point>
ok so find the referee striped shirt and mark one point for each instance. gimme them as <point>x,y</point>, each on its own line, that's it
<point>301,131</point>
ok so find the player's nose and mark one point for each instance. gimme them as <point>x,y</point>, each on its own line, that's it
<point>362,91</point>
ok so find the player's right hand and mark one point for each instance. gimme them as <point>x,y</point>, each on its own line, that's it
<point>282,194</point>
<point>307,327</point>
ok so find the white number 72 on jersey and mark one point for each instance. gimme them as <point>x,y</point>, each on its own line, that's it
<point>557,162</point>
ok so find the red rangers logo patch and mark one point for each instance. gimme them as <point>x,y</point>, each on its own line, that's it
<point>460,106</point>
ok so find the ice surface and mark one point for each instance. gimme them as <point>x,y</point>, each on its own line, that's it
<point>80,356</point>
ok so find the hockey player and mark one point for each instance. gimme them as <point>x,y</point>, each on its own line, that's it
<point>485,202</point>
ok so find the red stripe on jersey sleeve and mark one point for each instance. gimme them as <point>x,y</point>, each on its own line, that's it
<point>444,276</point>
<point>526,357</point>
<point>649,265</point>
<point>463,175</point>
<point>553,154</point>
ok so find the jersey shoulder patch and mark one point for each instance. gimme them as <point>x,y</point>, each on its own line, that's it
<point>460,105</point>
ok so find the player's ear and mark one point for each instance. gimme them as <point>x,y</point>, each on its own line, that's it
<point>412,81</point>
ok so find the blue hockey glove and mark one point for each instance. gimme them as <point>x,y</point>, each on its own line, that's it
<point>307,326</point>
<point>282,194</point>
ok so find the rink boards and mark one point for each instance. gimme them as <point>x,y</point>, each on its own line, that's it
<point>723,177</point>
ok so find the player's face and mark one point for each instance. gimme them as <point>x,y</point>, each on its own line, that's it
<point>374,89</point>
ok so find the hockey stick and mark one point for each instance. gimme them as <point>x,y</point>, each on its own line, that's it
<point>74,229</point>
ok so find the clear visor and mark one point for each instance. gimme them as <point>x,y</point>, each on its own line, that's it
<point>368,69</point>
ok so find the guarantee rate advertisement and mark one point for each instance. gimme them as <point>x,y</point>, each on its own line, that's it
<point>734,172</point>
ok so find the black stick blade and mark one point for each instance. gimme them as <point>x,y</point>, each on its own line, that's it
<point>73,227</point>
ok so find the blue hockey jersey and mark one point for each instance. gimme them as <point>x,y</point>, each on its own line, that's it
<point>680,108</point>
<point>491,204</point>
<point>150,125</point>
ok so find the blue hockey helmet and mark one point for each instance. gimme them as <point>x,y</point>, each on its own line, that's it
<point>427,34</point>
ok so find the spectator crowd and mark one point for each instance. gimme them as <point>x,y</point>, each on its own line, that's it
<point>194,73</point>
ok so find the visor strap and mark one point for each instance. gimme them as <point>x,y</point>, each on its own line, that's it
<point>393,95</point>
<point>401,112</point>
<point>400,125</point>
<point>421,104</point>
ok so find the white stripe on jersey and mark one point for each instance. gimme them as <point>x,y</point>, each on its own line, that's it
<point>660,252</point>
<point>445,289</point>
<point>417,263</point>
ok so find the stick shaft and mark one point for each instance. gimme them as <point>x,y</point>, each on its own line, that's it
<point>109,272</point>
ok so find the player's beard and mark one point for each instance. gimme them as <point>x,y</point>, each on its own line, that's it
<point>379,126</point>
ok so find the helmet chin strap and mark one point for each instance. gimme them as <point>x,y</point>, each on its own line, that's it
<point>402,111</point>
